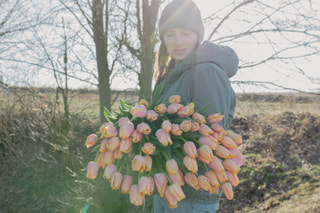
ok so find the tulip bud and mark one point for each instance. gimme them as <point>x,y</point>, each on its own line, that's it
<point>216,127</point>
<point>163,137</point>
<point>176,191</point>
<point>213,180</point>
<point>191,164</point>
<point>205,130</point>
<point>122,121</point>
<point>229,165</point>
<point>215,118</point>
<point>108,158</point>
<point>216,164</point>
<point>204,183</point>
<point>142,185</point>
<point>110,169</point>
<point>126,145</point>
<point>150,186</point>
<point>166,125</point>
<point>126,184</point>
<point>214,190</point>
<point>144,103</point>
<point>138,163</point>
<point>100,159</point>
<point>172,166</point>
<point>161,182</point>
<point>113,143</point>
<point>152,115</point>
<point>147,163</point>
<point>237,138</point>
<point>185,125</point>
<point>218,135</point>
<point>91,140</point>
<point>232,178</point>
<point>92,170</point>
<point>209,141</point>
<point>136,136</point>
<point>103,126</point>
<point>192,180</point>
<point>136,198</point>
<point>222,152</point>
<point>227,190</point>
<point>139,111</point>
<point>190,148</point>
<point>174,99</point>
<point>174,108</point>
<point>175,130</point>
<point>161,109</point>
<point>222,176</point>
<point>126,130</point>
<point>199,118</point>
<point>195,126</point>
<point>118,154</point>
<point>177,178</point>
<point>148,148</point>
<point>144,128</point>
<point>205,154</point>
<point>109,131</point>
<point>170,198</point>
<point>116,180</point>
<point>228,142</point>
<point>186,111</point>
<point>103,145</point>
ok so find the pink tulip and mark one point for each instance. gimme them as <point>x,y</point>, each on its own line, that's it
<point>116,180</point>
<point>152,115</point>
<point>144,103</point>
<point>136,136</point>
<point>103,145</point>
<point>191,164</point>
<point>92,169</point>
<point>227,190</point>
<point>205,154</point>
<point>199,118</point>
<point>118,154</point>
<point>204,183</point>
<point>147,163</point>
<point>237,138</point>
<point>210,141</point>
<point>108,158</point>
<point>126,145</point>
<point>166,125</point>
<point>186,111</point>
<point>161,108</point>
<point>138,163</point>
<point>218,135</point>
<point>190,148</point>
<point>163,137</point>
<point>170,198</point>
<point>229,165</point>
<point>175,130</point>
<point>176,191</point>
<point>172,166</point>
<point>148,148</point>
<point>212,177</point>
<point>103,126</point>
<point>109,131</point>
<point>122,121</point>
<point>126,130</point>
<point>136,198</point>
<point>100,159</point>
<point>215,118</point>
<point>222,176</point>
<point>139,111</point>
<point>161,182</point>
<point>150,186</point>
<point>144,128</point>
<point>126,184</point>
<point>214,190</point>
<point>192,180</point>
<point>174,108</point>
<point>185,125</point>
<point>91,140</point>
<point>205,130</point>
<point>232,178</point>
<point>216,164</point>
<point>195,126</point>
<point>177,178</point>
<point>222,152</point>
<point>216,127</point>
<point>110,169</point>
<point>113,143</point>
<point>174,99</point>
<point>143,184</point>
<point>228,142</point>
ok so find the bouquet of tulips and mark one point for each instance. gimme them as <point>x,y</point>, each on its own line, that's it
<point>162,145</point>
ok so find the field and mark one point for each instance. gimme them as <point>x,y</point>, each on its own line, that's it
<point>43,166</point>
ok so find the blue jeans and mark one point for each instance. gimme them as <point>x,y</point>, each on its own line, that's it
<point>160,206</point>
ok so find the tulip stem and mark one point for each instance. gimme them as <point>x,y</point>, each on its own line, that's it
<point>128,170</point>
<point>184,140</point>
<point>165,174</point>
<point>204,166</point>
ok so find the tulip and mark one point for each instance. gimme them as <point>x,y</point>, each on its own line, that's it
<point>143,184</point>
<point>110,169</point>
<point>227,190</point>
<point>199,118</point>
<point>166,125</point>
<point>205,130</point>
<point>216,127</point>
<point>113,143</point>
<point>161,182</point>
<point>174,108</point>
<point>170,198</point>
<point>103,126</point>
<point>232,178</point>
<point>175,130</point>
<point>190,148</point>
<point>228,142</point>
<point>139,111</point>
<point>100,159</point>
<point>91,140</point>
<point>136,136</point>
<point>174,99</point>
<point>237,138</point>
<point>163,137</point>
<point>144,128</point>
<point>216,164</point>
<point>109,131</point>
<point>192,180</point>
<point>108,158</point>
<point>147,163</point>
<point>215,118</point>
<point>118,154</point>
<point>103,145</point>
<point>176,191</point>
<point>138,163</point>
<point>222,176</point>
<point>205,154</point>
<point>126,130</point>
<point>222,152</point>
<point>237,154</point>
<point>195,126</point>
<point>172,166</point>
<point>218,135</point>
<point>136,198</point>
<point>144,103</point>
<point>122,121</point>
<point>152,115</point>
<point>237,162</point>
<point>229,165</point>
<point>212,177</point>
<point>126,184</point>
<point>92,170</point>
<point>214,190</point>
<point>177,178</point>
<point>204,183</point>
<point>209,141</point>
<point>161,108</point>
<point>185,125</point>
<point>150,186</point>
<point>116,180</point>
<point>126,145</point>
<point>148,148</point>
<point>186,111</point>
<point>191,164</point>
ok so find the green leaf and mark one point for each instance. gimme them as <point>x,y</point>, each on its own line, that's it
<point>158,90</point>
<point>107,113</point>
<point>203,109</point>
<point>85,208</point>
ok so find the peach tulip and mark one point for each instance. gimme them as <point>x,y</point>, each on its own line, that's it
<point>91,140</point>
<point>221,175</point>
<point>143,184</point>
<point>161,108</point>
<point>229,165</point>
<point>109,170</point>
<point>209,141</point>
<point>160,181</point>
<point>163,137</point>
<point>177,178</point>
<point>136,136</point>
<point>116,180</point>
<point>172,166</point>
<point>103,145</point>
<point>216,127</point>
<point>103,126</point>
<point>205,154</point>
<point>174,108</point>
<point>152,115</point>
<point>199,118</point>
<point>232,178</point>
<point>108,158</point>
<point>144,103</point>
<point>126,184</point>
<point>150,186</point>
<point>175,130</point>
<point>109,131</point>
<point>126,145</point>
<point>194,127</point>
<point>191,164</point>
<point>212,177</point>
<point>118,154</point>
<point>214,190</point>
<point>190,148</point>
<point>144,128</point>
<point>176,190</point>
<point>92,169</point>
<point>237,138</point>
<point>192,180</point>
<point>186,111</point>
<point>147,163</point>
<point>185,125</point>
<point>122,121</point>
<point>174,99</point>
<point>138,163</point>
<point>222,152</point>
<point>113,143</point>
<point>166,125</point>
<point>139,111</point>
<point>216,164</point>
<point>100,159</point>
<point>170,198</point>
<point>215,118</point>
<point>136,198</point>
<point>204,183</point>
<point>126,130</point>
<point>227,190</point>
<point>218,135</point>
<point>228,142</point>
<point>148,148</point>
<point>205,130</point>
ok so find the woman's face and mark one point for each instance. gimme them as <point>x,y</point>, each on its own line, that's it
<point>180,42</point>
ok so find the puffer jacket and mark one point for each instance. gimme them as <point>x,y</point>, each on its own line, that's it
<point>203,78</point>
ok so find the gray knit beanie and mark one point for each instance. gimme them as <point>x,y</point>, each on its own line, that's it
<point>181,13</point>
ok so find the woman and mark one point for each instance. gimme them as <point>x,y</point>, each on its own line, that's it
<point>199,73</point>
